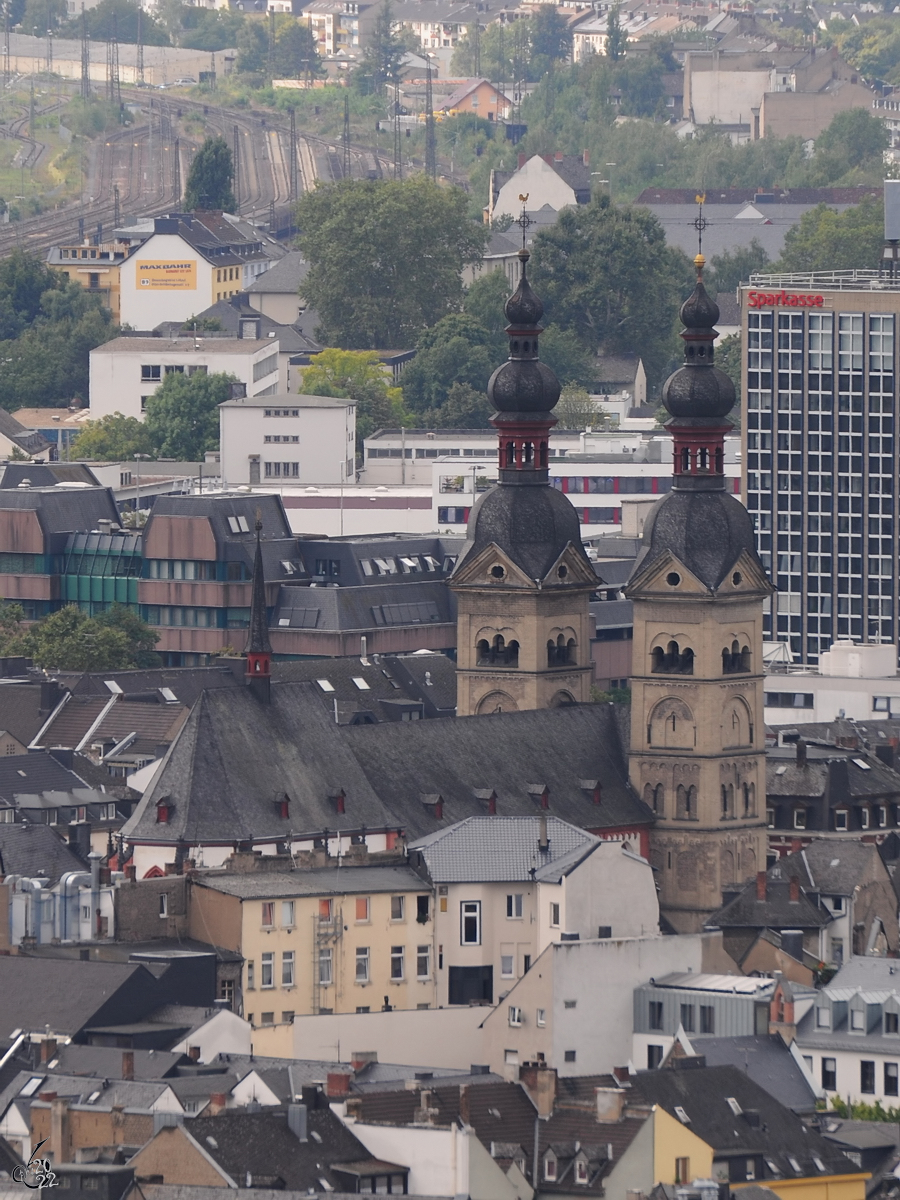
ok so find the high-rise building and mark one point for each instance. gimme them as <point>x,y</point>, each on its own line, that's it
<point>822,470</point>
<point>697,755</point>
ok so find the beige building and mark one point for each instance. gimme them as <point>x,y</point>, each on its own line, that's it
<point>97,268</point>
<point>323,940</point>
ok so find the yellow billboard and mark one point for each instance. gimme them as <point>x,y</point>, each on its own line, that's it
<point>164,274</point>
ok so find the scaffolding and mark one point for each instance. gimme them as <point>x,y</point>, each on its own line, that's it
<point>327,932</point>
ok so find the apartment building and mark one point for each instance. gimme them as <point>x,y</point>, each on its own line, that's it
<point>336,939</point>
<point>301,440</point>
<point>97,266</point>
<point>820,365</point>
<point>337,25</point>
<point>125,372</point>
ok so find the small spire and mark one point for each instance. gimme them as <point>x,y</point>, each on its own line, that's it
<point>259,648</point>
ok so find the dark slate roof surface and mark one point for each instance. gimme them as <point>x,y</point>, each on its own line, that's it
<point>833,866</point>
<point>62,511</point>
<point>185,682</point>
<point>491,848</point>
<point>37,771</point>
<point>765,1060</point>
<point>332,881</point>
<point>68,994</point>
<point>285,276</point>
<point>20,710</point>
<point>777,911</point>
<point>30,849</point>
<point>105,1062</point>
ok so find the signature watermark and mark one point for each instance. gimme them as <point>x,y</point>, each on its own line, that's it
<point>37,1172</point>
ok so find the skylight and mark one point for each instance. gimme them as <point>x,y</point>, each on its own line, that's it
<point>780,770</point>
<point>795,1166</point>
<point>733,1105</point>
<point>819,1165</point>
<point>361,683</point>
<point>325,685</point>
<point>238,525</point>
<point>863,766</point>
<point>682,1115</point>
<point>32,1085</point>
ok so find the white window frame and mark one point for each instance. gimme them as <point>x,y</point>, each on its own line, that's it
<point>470,909</point>
<point>287,914</point>
<point>423,954</point>
<point>362,964</point>
<point>163,904</point>
<point>398,958</point>
<point>326,976</point>
<point>515,906</point>
<point>267,970</point>
<point>287,968</point>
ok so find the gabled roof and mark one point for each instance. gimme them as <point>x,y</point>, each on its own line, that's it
<point>869,973</point>
<point>185,683</point>
<point>702,1094</point>
<point>30,849</point>
<point>20,710</point>
<point>284,277</point>
<point>776,911</point>
<point>493,849</point>
<point>765,1060</point>
<point>833,866</point>
<point>26,439</point>
<point>105,1062</point>
<point>466,88</point>
<point>38,771</point>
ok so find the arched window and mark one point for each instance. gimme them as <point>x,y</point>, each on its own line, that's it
<point>686,459</point>
<point>551,653</point>
<point>724,801</point>
<point>745,658</point>
<point>571,656</point>
<point>512,654</point>
<point>726,661</point>
<point>659,800</point>
<point>483,652</point>
<point>703,459</point>
<point>686,661</point>
<point>746,790</point>
<point>691,802</point>
<point>510,455</point>
<point>730,800</point>
<point>719,461</point>
<point>649,795</point>
<point>658,657</point>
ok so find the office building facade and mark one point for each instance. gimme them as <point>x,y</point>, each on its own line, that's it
<point>821,473</point>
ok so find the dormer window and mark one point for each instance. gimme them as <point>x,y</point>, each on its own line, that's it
<point>164,810</point>
<point>581,1171</point>
<point>823,1018</point>
<point>550,1167</point>
<point>857,1020</point>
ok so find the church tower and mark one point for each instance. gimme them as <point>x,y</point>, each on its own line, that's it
<point>697,738</point>
<point>523,581</point>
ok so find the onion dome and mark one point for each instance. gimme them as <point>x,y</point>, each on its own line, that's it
<point>523,384</point>
<point>699,390</point>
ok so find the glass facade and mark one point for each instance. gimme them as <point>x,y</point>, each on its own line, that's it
<point>821,471</point>
<point>99,570</point>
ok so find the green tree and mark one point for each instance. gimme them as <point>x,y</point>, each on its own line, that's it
<point>70,640</point>
<point>825,240</point>
<point>24,280</point>
<point>296,51</point>
<point>112,438</point>
<point>485,302</point>
<point>384,52</point>
<point>567,357</point>
<point>734,267</point>
<point>577,410</point>
<point>606,274</point>
<point>615,37</point>
<point>41,15</point>
<point>385,258</point>
<point>455,350</point>
<point>252,47</point>
<point>210,179</point>
<point>209,29</point>
<point>118,18</point>
<point>551,38</point>
<point>141,638</point>
<point>183,415</point>
<point>464,408</point>
<point>494,54</point>
<point>356,375</point>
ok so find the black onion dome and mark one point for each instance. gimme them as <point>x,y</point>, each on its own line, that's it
<point>523,385</point>
<point>524,307</point>
<point>706,531</point>
<point>533,525</point>
<point>699,311</point>
<point>695,391</point>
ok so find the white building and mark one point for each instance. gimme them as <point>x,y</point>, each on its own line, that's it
<point>304,439</point>
<point>859,681</point>
<point>127,371</point>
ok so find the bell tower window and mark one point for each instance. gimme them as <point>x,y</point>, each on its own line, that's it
<point>673,660</point>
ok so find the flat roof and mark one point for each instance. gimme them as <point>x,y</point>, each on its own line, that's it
<point>186,345</point>
<point>841,281</point>
<point>283,400</point>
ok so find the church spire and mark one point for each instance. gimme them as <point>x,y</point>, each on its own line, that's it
<point>699,396</point>
<point>259,648</point>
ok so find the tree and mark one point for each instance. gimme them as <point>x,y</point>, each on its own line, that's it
<point>464,408</point>
<point>209,29</point>
<point>566,356</point>
<point>384,53</point>
<point>606,274</point>
<point>209,183</point>
<point>485,303</point>
<point>577,410</point>
<point>70,640</point>
<point>385,258</point>
<point>112,438</point>
<point>41,15</point>
<point>24,280</point>
<point>296,51</point>
<point>456,350</point>
<point>118,18</point>
<point>252,47</point>
<point>141,638</point>
<point>551,39</point>
<point>731,268</point>
<point>615,37</point>
<point>183,415</point>
<point>356,375</point>
<point>825,240</point>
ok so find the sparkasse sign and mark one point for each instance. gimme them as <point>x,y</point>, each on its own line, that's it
<point>757,299</point>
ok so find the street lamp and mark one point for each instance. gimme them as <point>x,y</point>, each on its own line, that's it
<point>137,495</point>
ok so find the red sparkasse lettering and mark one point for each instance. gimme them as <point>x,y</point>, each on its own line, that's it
<point>756,299</point>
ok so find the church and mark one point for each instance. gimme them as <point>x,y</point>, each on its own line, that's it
<point>264,768</point>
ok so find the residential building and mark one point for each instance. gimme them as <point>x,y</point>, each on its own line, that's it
<point>553,181</point>
<point>857,681</point>
<point>277,293</point>
<point>767,1060</point>
<point>696,1006</point>
<point>500,254</point>
<point>697,735</point>
<point>509,886</point>
<point>815,481</point>
<point>477,97</point>
<point>776,902</point>
<point>97,266</point>
<point>848,1036</point>
<point>438,26</point>
<point>280,438</point>
<point>15,438</point>
<point>523,580</point>
<point>340,27</point>
<point>127,371</point>
<point>188,262</point>
<point>296,1150</point>
<point>334,939</point>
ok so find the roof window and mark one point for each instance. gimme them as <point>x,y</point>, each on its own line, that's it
<point>325,685</point>
<point>682,1115</point>
<point>238,525</point>
<point>361,683</point>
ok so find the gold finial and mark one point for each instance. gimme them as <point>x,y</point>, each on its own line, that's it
<point>699,263</point>
<point>700,223</point>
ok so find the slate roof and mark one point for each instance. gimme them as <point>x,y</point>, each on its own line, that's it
<point>20,710</point>
<point>37,771</point>
<point>105,1062</point>
<point>284,276</point>
<point>139,1094</point>
<point>829,771</point>
<point>69,994</point>
<point>702,1093</point>
<point>415,601</point>
<point>331,881</point>
<point>30,849</point>
<point>617,368</point>
<point>777,911</point>
<point>868,973</point>
<point>391,682</point>
<point>61,511</point>
<point>186,683</point>
<point>47,474</point>
<point>235,757</point>
<point>493,849</point>
<point>833,866</point>
<point>26,439</point>
<point>290,340</point>
<point>262,1145</point>
<point>765,1060</point>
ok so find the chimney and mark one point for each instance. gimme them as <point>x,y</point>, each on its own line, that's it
<point>217,1104</point>
<point>543,839</point>
<point>194,1053</point>
<point>48,1049</point>
<point>801,752</point>
<point>337,1085</point>
<point>59,1130</point>
<point>128,1064</point>
<point>586,157</point>
<point>558,156</point>
<point>760,885</point>
<point>297,1121</point>
<point>610,1104</point>
<point>523,159</point>
<point>131,872</point>
<point>795,890</point>
<point>539,1081</point>
<point>50,692</point>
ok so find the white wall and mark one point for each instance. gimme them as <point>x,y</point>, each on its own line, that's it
<point>832,698</point>
<point>145,307</point>
<point>434,1037</point>
<point>542,185</point>
<point>612,887</point>
<point>325,429</point>
<point>223,1033</point>
<point>725,96</point>
<point>848,1072</point>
